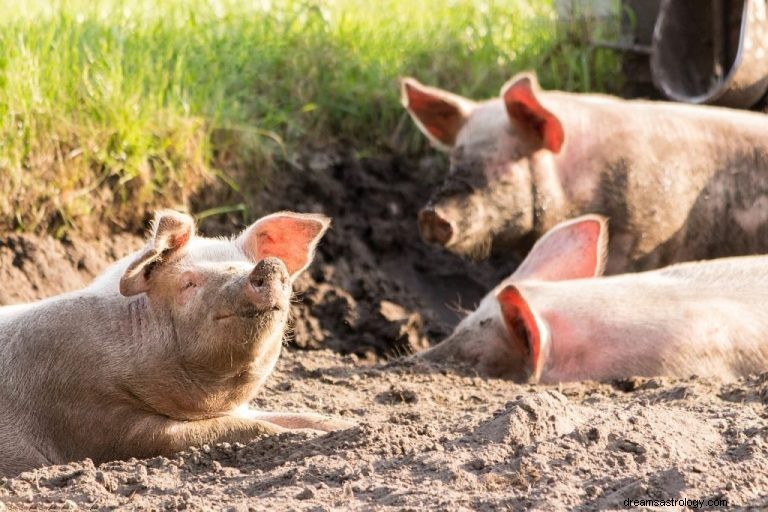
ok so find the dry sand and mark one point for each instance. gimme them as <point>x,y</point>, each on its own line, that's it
<point>437,438</point>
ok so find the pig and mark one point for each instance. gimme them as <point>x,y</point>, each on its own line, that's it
<point>162,351</point>
<point>556,319</point>
<point>679,182</point>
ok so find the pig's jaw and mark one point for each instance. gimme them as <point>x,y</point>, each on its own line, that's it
<point>225,370</point>
<point>476,237</point>
<point>254,337</point>
<point>473,247</point>
<point>490,221</point>
<point>480,342</point>
<point>263,365</point>
<point>250,314</point>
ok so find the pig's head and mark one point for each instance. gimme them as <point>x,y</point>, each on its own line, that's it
<point>487,195</point>
<point>218,308</point>
<point>506,336</point>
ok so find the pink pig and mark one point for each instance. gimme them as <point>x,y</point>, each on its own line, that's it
<point>679,182</point>
<point>554,320</point>
<point>163,351</point>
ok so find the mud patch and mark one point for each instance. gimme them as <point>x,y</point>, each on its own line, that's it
<point>33,268</point>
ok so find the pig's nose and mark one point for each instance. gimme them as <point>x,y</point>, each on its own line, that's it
<point>267,284</point>
<point>434,227</point>
<point>267,271</point>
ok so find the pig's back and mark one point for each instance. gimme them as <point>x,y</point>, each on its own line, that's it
<point>8,313</point>
<point>719,278</point>
<point>742,279</point>
<point>633,112</point>
<point>706,318</point>
<point>724,275</point>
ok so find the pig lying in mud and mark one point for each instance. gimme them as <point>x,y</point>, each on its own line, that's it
<point>554,321</point>
<point>162,351</point>
<point>678,182</point>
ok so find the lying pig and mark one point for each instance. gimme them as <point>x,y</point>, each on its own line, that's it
<point>162,351</point>
<point>678,182</point>
<point>553,321</point>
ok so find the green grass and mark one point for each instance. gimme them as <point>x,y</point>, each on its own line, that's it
<point>111,107</point>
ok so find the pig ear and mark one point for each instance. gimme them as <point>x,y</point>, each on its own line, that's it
<point>522,326</point>
<point>438,114</point>
<point>524,109</point>
<point>573,249</point>
<point>170,233</point>
<point>290,237</point>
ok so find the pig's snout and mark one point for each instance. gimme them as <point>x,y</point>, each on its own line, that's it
<point>268,283</point>
<point>435,228</point>
<point>267,271</point>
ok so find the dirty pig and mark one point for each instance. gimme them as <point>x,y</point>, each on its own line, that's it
<point>679,182</point>
<point>555,320</point>
<point>161,352</point>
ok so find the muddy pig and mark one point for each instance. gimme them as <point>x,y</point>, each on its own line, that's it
<point>678,182</point>
<point>553,320</point>
<point>161,352</point>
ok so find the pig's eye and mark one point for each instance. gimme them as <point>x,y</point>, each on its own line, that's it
<point>189,280</point>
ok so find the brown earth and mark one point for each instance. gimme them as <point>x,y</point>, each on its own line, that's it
<point>434,438</point>
<point>427,436</point>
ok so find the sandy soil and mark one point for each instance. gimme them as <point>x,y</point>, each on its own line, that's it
<point>427,436</point>
<point>438,438</point>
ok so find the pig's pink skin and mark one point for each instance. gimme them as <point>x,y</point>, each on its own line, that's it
<point>162,351</point>
<point>678,182</point>
<point>704,318</point>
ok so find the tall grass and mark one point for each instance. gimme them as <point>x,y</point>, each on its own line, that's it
<point>110,107</point>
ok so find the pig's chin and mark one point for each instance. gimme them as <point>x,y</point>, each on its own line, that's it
<point>253,327</point>
<point>491,358</point>
<point>512,239</point>
<point>250,313</point>
<point>474,247</point>
<point>501,369</point>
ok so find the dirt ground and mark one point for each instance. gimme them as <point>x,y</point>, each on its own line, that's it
<point>428,436</point>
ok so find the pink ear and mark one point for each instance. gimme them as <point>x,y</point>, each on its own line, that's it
<point>438,114</point>
<point>290,237</point>
<point>522,326</point>
<point>524,109</point>
<point>573,249</point>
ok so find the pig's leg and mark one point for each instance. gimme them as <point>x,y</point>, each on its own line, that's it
<point>218,430</point>
<point>294,421</point>
<point>18,457</point>
<point>162,436</point>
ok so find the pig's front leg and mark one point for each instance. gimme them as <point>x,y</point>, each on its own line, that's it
<point>19,456</point>
<point>162,436</point>
<point>293,421</point>
<point>182,435</point>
